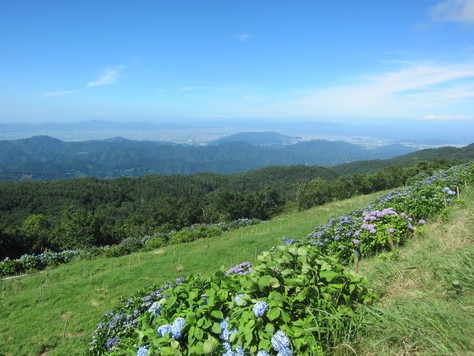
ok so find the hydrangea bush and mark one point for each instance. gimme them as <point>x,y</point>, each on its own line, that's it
<point>292,301</point>
<point>297,299</point>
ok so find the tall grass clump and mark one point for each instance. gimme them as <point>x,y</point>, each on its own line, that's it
<point>427,292</point>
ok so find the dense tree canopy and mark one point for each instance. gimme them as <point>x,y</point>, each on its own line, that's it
<point>85,212</point>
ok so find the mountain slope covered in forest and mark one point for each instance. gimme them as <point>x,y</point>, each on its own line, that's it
<point>43,157</point>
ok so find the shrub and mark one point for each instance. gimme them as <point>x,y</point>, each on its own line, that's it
<point>154,243</point>
<point>294,298</point>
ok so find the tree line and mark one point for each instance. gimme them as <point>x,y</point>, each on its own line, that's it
<point>86,212</point>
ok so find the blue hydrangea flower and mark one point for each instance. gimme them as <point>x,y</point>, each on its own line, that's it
<point>142,351</point>
<point>177,327</point>
<point>109,344</point>
<point>225,333</point>
<point>259,309</point>
<point>163,330</point>
<point>263,353</point>
<point>155,309</point>
<point>238,298</point>
<point>285,352</point>
<point>280,341</point>
<point>239,351</point>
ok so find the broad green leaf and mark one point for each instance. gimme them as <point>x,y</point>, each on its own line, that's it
<point>217,314</point>
<point>264,281</point>
<point>210,345</point>
<point>198,333</point>
<point>328,275</point>
<point>274,283</point>
<point>269,328</point>
<point>273,313</point>
<point>216,328</point>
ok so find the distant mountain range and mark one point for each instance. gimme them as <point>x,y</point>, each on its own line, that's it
<point>44,157</point>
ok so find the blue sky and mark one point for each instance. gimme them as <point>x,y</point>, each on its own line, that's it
<point>166,60</point>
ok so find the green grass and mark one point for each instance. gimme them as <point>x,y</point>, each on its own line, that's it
<point>427,306</point>
<point>54,312</point>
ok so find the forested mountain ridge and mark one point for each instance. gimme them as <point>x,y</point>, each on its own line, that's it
<point>43,157</point>
<point>442,153</point>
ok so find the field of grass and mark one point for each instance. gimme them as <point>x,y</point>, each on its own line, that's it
<point>53,312</point>
<point>427,289</point>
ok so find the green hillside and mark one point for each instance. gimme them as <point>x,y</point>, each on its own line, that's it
<point>450,154</point>
<point>71,299</point>
<point>54,312</point>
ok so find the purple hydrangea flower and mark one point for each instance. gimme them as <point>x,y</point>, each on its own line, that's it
<point>356,241</point>
<point>422,222</point>
<point>243,268</point>
<point>391,230</point>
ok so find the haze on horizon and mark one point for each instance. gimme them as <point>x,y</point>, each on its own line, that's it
<point>406,63</point>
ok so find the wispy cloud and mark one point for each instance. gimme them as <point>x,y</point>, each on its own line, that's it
<point>445,117</point>
<point>108,76</point>
<point>454,11</point>
<point>243,37</point>
<point>61,93</point>
<point>414,90</point>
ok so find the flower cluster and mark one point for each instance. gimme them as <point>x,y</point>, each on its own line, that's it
<point>242,268</point>
<point>142,351</point>
<point>281,343</point>
<point>124,319</point>
<point>175,329</point>
<point>260,308</point>
<point>155,309</point>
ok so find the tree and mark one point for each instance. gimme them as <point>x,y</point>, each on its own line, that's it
<point>36,229</point>
<point>315,192</point>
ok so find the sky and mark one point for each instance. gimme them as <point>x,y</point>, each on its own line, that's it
<point>172,60</point>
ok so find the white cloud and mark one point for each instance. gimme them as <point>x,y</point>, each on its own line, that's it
<point>416,89</point>
<point>454,10</point>
<point>445,117</point>
<point>61,93</point>
<point>243,37</point>
<point>109,76</point>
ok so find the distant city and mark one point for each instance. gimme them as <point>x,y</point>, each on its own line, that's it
<point>415,134</point>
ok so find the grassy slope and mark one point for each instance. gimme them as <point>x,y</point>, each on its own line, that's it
<point>427,289</point>
<point>54,312</point>
<point>424,310</point>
